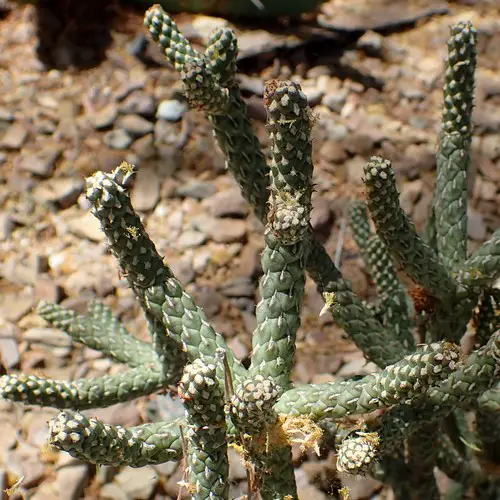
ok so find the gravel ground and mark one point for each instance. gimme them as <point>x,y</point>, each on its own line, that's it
<point>68,109</point>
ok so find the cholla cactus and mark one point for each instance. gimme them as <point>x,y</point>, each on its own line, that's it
<point>425,384</point>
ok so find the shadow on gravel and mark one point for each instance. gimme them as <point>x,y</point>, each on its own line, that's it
<point>74,33</point>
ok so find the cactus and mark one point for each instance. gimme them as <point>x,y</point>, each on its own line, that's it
<point>417,401</point>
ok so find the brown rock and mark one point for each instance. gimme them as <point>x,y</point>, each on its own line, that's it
<point>15,137</point>
<point>64,190</point>
<point>321,216</point>
<point>476,227</point>
<point>146,192</point>
<point>47,289</point>
<point>86,226</point>
<point>228,203</point>
<point>333,152</point>
<point>14,306</point>
<point>223,230</point>
<point>9,350</point>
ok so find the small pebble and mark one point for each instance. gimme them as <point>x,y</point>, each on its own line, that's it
<point>117,139</point>
<point>171,110</point>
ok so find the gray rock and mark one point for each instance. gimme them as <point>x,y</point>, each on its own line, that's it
<point>249,262</point>
<point>228,203</point>
<point>333,152</point>
<point>190,239</point>
<point>45,126</point>
<point>354,167</point>
<point>104,118</point>
<point>138,45</point>
<point>146,192</point>
<point>171,110</point>
<point>221,230</point>
<point>6,115</point>
<point>336,131</point>
<point>47,336</point>
<point>41,164</point>
<point>86,226</point>
<point>63,190</point>
<point>410,194</point>
<point>237,469</point>
<point>3,158</point>
<point>6,226</point>
<point>9,351</point>
<point>476,227</point>
<point>117,139</point>
<point>490,146</point>
<point>209,300</point>
<point>138,103</point>
<point>371,43</point>
<point>135,125</point>
<point>71,480</point>
<point>144,147</point>
<point>201,259</point>
<point>112,491</point>
<point>49,290</point>
<point>127,88</point>
<point>411,92</point>
<point>14,306</point>
<point>321,216</point>
<point>167,134</point>
<point>14,137</point>
<point>137,484</point>
<point>420,214</point>
<point>196,189</point>
<point>314,95</point>
<point>360,487</point>
<point>183,268</point>
<point>335,101</point>
<point>238,347</point>
<point>24,461</point>
<point>238,287</point>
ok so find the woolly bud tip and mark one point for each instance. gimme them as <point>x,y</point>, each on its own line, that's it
<point>68,430</point>
<point>252,404</point>
<point>201,393</point>
<point>357,454</point>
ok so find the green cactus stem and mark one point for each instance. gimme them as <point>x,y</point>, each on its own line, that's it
<point>397,383</point>
<point>173,43</point>
<point>82,393</point>
<point>283,260</point>
<point>482,268</point>
<point>221,52</point>
<point>90,440</point>
<point>398,232</point>
<point>422,459</point>
<point>454,155</point>
<point>348,310</point>
<point>160,293</point>
<point>101,331</point>
<point>454,465</point>
<point>486,318</point>
<point>203,90</point>
<point>245,161</point>
<point>276,474</point>
<point>231,124</point>
<point>207,465</point>
<point>393,301</point>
